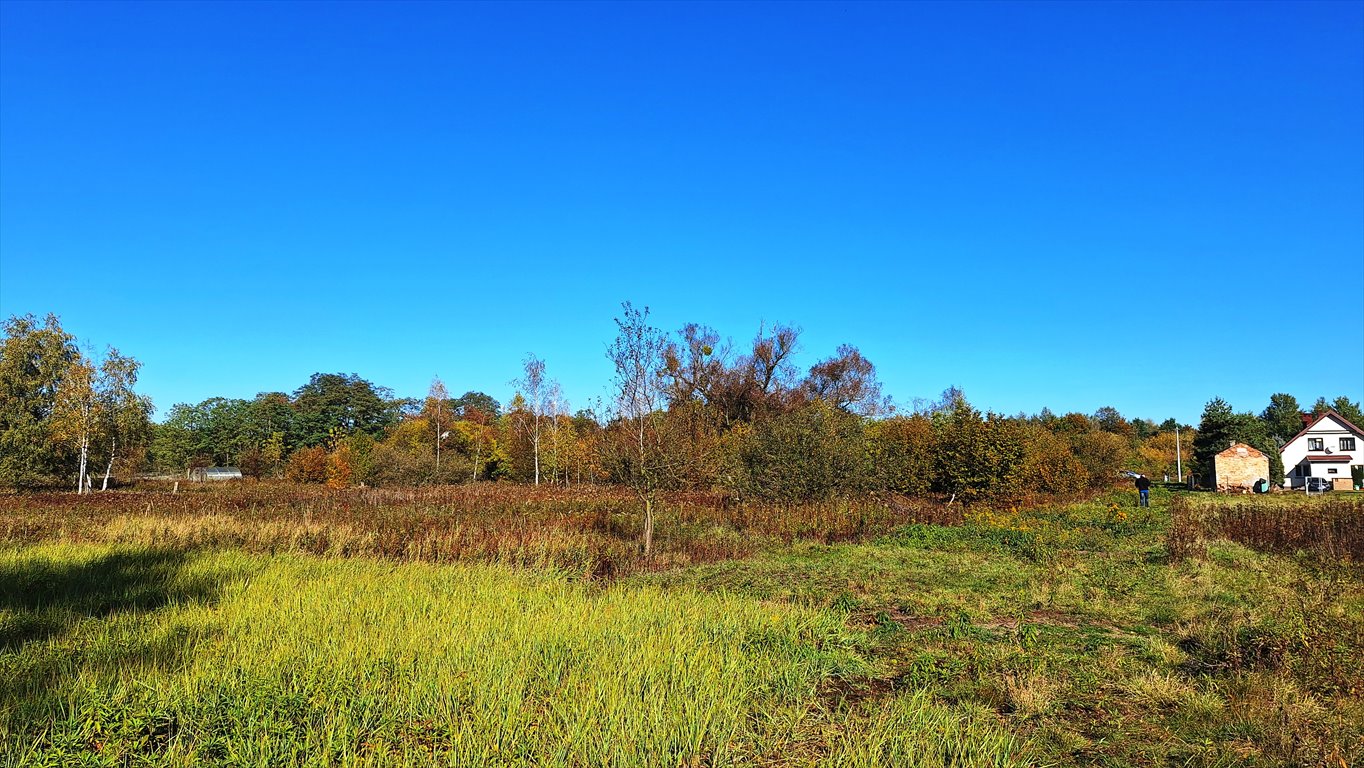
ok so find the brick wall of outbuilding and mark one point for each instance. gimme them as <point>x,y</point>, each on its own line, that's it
<point>1238,467</point>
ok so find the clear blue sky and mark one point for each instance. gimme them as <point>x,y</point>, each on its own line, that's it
<point>1068,205</point>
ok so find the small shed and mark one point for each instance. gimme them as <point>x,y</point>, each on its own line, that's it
<point>1238,467</point>
<point>209,474</point>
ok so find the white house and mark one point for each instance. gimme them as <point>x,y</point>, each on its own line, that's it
<point>1329,447</point>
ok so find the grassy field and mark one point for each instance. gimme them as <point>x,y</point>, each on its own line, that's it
<point>271,626</point>
<point>593,531</point>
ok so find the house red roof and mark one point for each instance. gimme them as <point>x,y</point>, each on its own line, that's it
<point>1343,458</point>
<point>1328,412</point>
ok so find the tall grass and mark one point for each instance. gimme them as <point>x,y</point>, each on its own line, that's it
<point>121,656</point>
<point>587,530</point>
<point>1325,527</point>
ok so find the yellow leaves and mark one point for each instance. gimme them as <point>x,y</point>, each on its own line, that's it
<point>413,435</point>
<point>76,407</point>
<point>340,472</point>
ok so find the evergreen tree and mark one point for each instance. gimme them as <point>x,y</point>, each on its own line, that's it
<point>1220,427</point>
<point>1283,418</point>
<point>1348,409</point>
<point>1216,431</point>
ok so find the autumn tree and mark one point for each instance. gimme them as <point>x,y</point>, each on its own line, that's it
<point>695,366</point>
<point>1108,419</point>
<point>901,451</point>
<point>848,382</point>
<point>637,456</point>
<point>1102,454</point>
<point>769,365</point>
<point>308,465</point>
<point>478,402</point>
<point>1164,452</point>
<point>33,358</point>
<point>477,442</point>
<point>976,457</point>
<point>437,412</point>
<point>700,368</point>
<point>531,395</point>
<point>557,427</point>
<point>588,437</point>
<point>125,415</point>
<point>1050,464</point>
<point>75,415</point>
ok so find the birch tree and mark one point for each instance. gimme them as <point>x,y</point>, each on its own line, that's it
<point>125,415</point>
<point>555,407</point>
<point>638,357</point>
<point>76,414</point>
<point>436,398</point>
<point>532,388</point>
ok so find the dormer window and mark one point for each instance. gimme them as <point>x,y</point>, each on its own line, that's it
<point>1347,443</point>
<point>1316,444</point>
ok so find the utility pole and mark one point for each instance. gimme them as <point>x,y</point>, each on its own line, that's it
<point>1179,457</point>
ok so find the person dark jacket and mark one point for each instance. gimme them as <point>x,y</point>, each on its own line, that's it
<point>1143,483</point>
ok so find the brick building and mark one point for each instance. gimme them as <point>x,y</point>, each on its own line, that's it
<point>1238,467</point>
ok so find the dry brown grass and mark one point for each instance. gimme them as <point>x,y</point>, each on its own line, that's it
<point>1329,528</point>
<point>591,530</point>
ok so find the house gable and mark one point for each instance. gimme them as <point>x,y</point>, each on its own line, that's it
<point>1319,425</point>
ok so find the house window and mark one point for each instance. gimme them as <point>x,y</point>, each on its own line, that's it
<point>1331,471</point>
<point>1347,443</point>
<point>1316,443</point>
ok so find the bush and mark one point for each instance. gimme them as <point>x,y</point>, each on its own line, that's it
<point>1049,465</point>
<point>1101,454</point>
<point>307,465</point>
<point>902,454</point>
<point>391,466</point>
<point>339,471</point>
<point>811,453</point>
<point>978,458</point>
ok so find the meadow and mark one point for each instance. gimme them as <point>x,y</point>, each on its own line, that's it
<point>498,625</point>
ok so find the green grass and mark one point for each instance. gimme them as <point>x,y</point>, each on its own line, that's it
<point>1075,629</point>
<point>1062,635</point>
<point>118,656</point>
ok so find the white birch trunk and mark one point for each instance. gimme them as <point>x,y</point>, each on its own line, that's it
<point>109,469</point>
<point>85,456</point>
<point>648,526</point>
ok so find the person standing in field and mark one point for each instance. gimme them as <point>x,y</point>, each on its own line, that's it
<point>1143,490</point>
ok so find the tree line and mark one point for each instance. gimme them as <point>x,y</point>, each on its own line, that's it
<point>1268,431</point>
<point>688,409</point>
